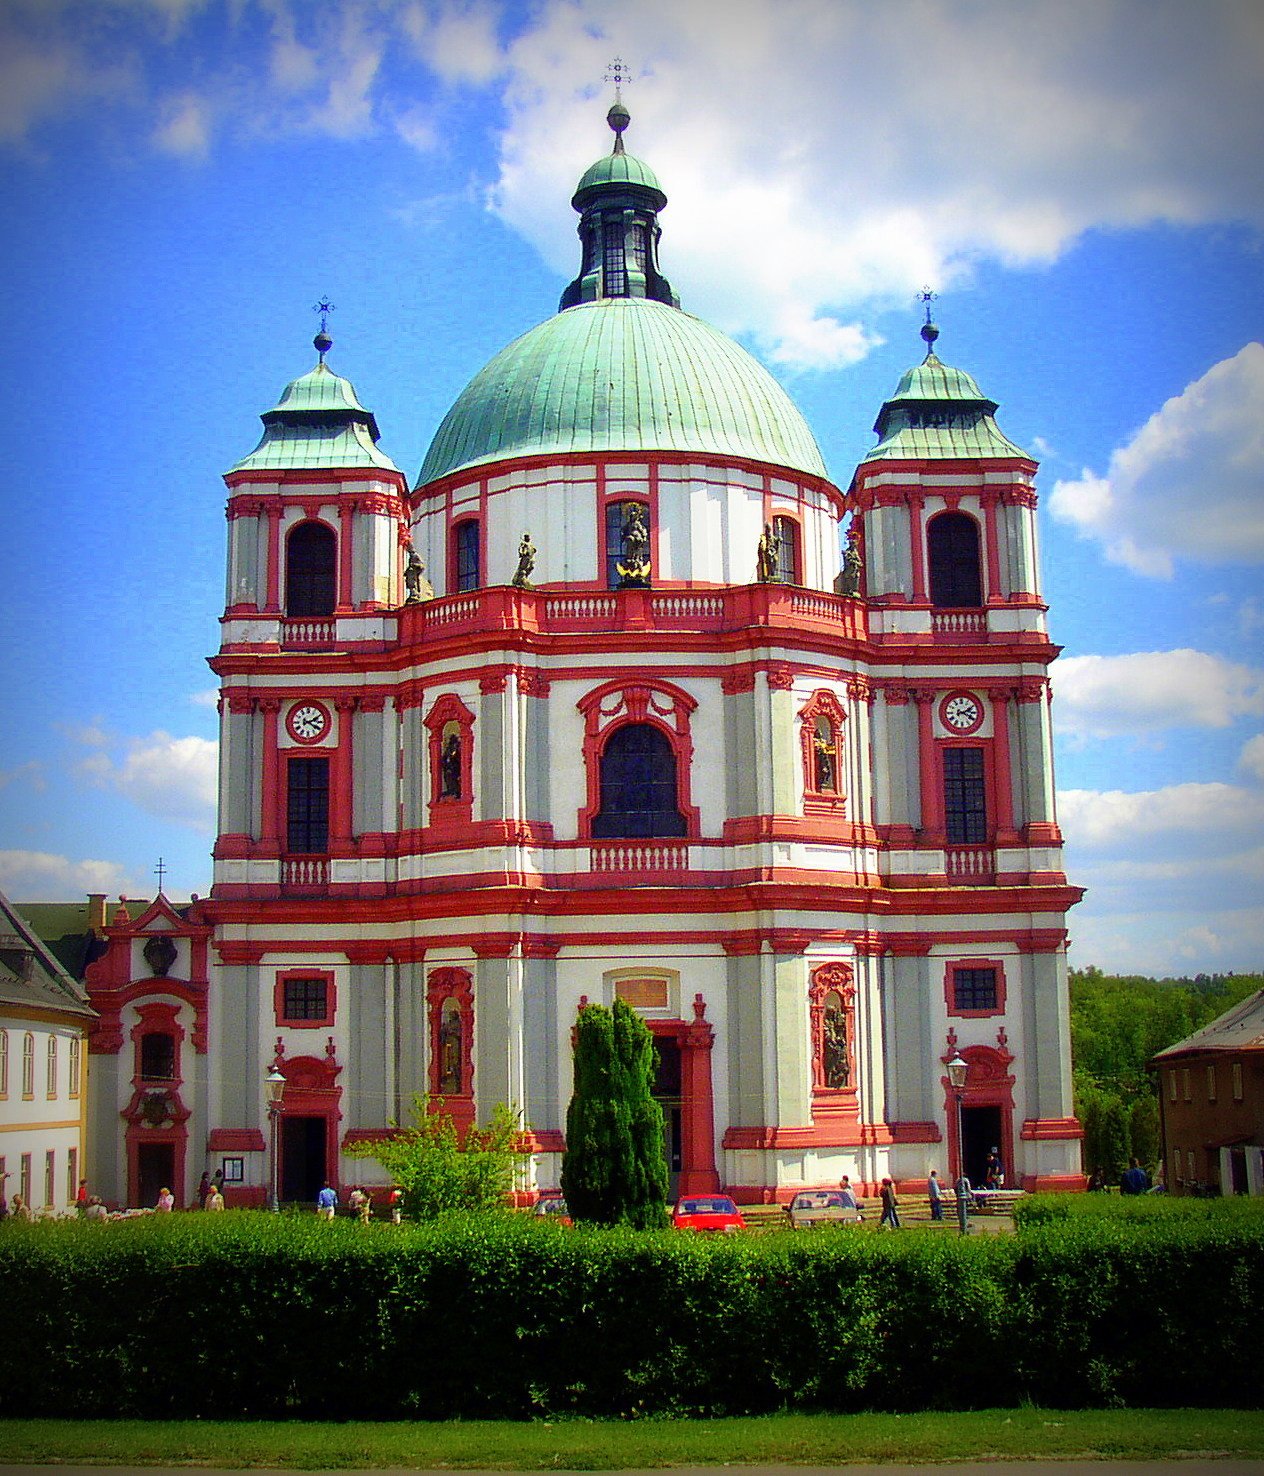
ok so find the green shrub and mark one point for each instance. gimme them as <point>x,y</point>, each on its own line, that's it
<point>263,1316</point>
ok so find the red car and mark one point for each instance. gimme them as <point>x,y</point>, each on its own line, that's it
<point>715,1212</point>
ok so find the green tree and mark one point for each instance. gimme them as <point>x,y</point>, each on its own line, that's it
<point>437,1171</point>
<point>614,1171</point>
<point>1143,1129</point>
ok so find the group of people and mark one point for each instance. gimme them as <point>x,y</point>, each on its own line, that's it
<point>359,1202</point>
<point>994,1178</point>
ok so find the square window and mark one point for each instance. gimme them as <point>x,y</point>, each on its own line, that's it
<point>974,989</point>
<point>306,999</point>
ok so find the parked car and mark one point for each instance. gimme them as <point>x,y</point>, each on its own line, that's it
<point>715,1212</point>
<point>552,1207</point>
<point>812,1207</point>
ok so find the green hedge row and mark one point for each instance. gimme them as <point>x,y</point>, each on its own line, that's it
<point>1043,1209</point>
<point>248,1315</point>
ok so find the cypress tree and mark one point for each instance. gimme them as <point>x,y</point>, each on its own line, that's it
<point>614,1172</point>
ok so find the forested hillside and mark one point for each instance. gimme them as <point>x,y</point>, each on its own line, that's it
<point>1117,1023</point>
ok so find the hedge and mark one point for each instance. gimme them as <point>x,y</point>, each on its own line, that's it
<point>250,1315</point>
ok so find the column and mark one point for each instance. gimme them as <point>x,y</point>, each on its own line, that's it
<point>340,779</point>
<point>272,801</point>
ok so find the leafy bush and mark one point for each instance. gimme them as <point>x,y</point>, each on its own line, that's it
<point>437,1172</point>
<point>483,1316</point>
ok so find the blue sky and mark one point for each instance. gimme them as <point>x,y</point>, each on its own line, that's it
<point>1079,182</point>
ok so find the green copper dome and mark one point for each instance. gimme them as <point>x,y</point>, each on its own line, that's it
<point>318,423</point>
<point>618,169</point>
<point>939,413</point>
<point>622,374</point>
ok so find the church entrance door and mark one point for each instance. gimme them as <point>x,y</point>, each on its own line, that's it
<point>303,1166</point>
<point>667,1095</point>
<point>155,1171</point>
<point>981,1130</point>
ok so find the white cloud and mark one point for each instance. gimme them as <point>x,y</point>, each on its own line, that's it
<point>1189,484</point>
<point>29,774</point>
<point>207,697</point>
<point>173,778</point>
<point>40,876</point>
<point>1199,817</point>
<point>1251,759</point>
<point>184,126</point>
<point>458,41</point>
<point>1148,692</point>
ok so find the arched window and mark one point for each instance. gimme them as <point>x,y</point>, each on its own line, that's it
<point>821,720</point>
<point>638,785</point>
<point>76,1064</point>
<point>157,1056</point>
<point>28,1065</point>
<point>956,579</point>
<point>785,533</point>
<point>4,1063</point>
<point>467,570</point>
<point>450,997</point>
<point>50,1084</point>
<point>311,570</point>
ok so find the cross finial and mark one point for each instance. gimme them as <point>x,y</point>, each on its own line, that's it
<point>617,73</point>
<point>929,332</point>
<point>322,342</point>
<point>926,297</point>
<point>160,871</point>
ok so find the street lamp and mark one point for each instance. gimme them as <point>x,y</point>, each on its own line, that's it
<point>274,1094</point>
<point>957,1068</point>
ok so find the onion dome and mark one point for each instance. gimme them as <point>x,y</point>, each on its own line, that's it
<point>318,423</point>
<point>938,412</point>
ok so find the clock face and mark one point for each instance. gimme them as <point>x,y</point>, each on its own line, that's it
<point>961,712</point>
<point>308,722</point>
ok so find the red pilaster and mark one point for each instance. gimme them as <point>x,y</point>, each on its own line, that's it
<point>272,799</point>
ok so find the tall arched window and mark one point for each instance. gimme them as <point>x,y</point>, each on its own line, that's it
<point>634,517</point>
<point>28,1065</point>
<point>157,1056</point>
<point>50,1084</point>
<point>956,579</point>
<point>311,570</point>
<point>4,1063</point>
<point>785,533</point>
<point>466,564</point>
<point>638,785</point>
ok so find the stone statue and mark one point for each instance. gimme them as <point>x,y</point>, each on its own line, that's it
<point>526,563</point>
<point>634,543</point>
<point>450,767</point>
<point>417,587</point>
<point>837,1067</point>
<point>849,579</point>
<point>824,755</point>
<point>767,559</point>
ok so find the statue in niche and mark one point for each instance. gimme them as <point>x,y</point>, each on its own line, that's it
<point>849,578</point>
<point>767,558</point>
<point>160,954</point>
<point>416,586</point>
<point>450,767</point>
<point>836,1064</point>
<point>634,545</point>
<point>450,1053</point>
<point>526,563</point>
<point>824,758</point>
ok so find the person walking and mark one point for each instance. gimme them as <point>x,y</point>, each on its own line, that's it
<point>890,1207</point>
<point>203,1189</point>
<point>1135,1179</point>
<point>935,1193</point>
<point>215,1200</point>
<point>81,1199</point>
<point>326,1203</point>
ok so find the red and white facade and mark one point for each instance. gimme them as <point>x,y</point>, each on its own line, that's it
<point>419,875</point>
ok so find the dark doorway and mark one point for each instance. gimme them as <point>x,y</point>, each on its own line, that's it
<point>956,580</point>
<point>638,785</point>
<point>667,1094</point>
<point>303,1166</point>
<point>311,565</point>
<point>155,1171</point>
<point>980,1132</point>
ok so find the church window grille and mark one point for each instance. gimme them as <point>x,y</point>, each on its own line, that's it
<point>466,563</point>
<point>956,580</point>
<point>306,999</point>
<point>785,532</point>
<point>157,1056</point>
<point>974,989</point>
<point>639,796</point>
<point>50,1080</point>
<point>637,244</point>
<point>307,806</point>
<point>28,1065</point>
<point>965,799</point>
<point>617,514</point>
<point>76,1064</point>
<point>311,565</point>
<point>614,266</point>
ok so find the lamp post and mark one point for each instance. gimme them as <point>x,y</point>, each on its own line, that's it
<point>274,1092</point>
<point>957,1069</point>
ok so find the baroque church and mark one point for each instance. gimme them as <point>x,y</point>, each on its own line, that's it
<point>599,709</point>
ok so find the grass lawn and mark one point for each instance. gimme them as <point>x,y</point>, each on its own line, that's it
<point>810,1440</point>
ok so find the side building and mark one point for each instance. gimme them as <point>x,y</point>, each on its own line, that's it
<point>1211,1104</point>
<point>44,1022</point>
